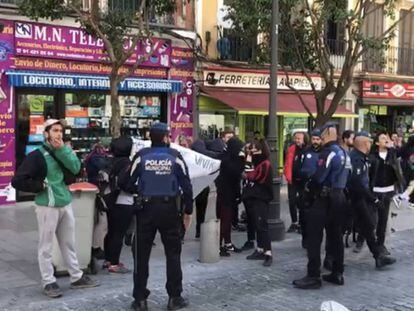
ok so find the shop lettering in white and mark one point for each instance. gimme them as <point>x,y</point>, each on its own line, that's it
<point>45,81</point>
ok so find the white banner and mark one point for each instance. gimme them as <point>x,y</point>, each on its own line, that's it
<point>203,170</point>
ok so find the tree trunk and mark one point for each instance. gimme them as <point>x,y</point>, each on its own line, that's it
<point>116,110</point>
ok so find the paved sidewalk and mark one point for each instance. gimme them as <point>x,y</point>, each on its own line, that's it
<point>232,284</point>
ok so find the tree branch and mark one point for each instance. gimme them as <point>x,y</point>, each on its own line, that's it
<point>88,18</point>
<point>297,93</point>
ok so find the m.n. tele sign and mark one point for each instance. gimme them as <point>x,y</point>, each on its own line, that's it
<point>257,80</point>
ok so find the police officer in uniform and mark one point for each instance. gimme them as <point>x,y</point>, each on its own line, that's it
<point>328,211</point>
<point>157,179</point>
<point>310,160</point>
<point>363,200</point>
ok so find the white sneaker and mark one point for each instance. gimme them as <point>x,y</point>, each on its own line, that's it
<point>397,201</point>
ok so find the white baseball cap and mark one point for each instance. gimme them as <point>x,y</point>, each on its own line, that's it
<point>50,122</point>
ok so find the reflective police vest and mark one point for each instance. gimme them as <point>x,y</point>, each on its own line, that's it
<point>157,177</point>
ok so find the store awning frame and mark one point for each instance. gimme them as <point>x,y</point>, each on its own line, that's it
<point>255,102</point>
<point>42,79</point>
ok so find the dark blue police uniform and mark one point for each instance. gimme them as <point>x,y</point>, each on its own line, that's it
<point>328,210</point>
<point>310,160</point>
<point>362,199</point>
<point>159,176</point>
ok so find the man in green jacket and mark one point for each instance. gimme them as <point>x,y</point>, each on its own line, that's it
<point>42,174</point>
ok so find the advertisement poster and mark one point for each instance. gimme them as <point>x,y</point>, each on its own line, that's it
<point>181,120</point>
<point>7,118</point>
<point>60,42</point>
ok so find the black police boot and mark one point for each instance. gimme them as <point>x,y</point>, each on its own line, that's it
<point>224,252</point>
<point>139,305</point>
<point>334,278</point>
<point>384,250</point>
<point>177,303</point>
<point>308,282</point>
<point>268,261</point>
<point>383,260</point>
<point>256,255</point>
<point>327,263</point>
<point>248,245</point>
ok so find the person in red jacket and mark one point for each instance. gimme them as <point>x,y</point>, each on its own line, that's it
<point>293,176</point>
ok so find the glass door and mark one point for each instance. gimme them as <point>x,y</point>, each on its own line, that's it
<point>32,111</point>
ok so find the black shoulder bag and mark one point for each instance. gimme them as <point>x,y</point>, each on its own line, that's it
<point>68,177</point>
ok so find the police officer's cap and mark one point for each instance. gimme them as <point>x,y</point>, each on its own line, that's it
<point>363,134</point>
<point>316,133</point>
<point>160,127</point>
<point>327,126</point>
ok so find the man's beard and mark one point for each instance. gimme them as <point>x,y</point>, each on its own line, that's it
<point>316,146</point>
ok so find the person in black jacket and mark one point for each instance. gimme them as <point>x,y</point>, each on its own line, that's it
<point>364,201</point>
<point>228,191</point>
<point>121,212</point>
<point>385,178</point>
<point>257,193</point>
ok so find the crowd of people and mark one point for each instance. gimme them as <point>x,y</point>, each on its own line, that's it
<point>342,186</point>
<point>334,185</point>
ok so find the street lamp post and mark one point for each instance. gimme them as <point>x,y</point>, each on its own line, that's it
<point>276,225</point>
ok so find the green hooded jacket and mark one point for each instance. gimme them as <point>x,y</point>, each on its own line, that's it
<point>56,193</point>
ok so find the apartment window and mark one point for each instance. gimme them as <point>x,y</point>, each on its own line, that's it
<point>373,28</point>
<point>406,44</point>
<point>15,2</point>
<point>335,35</point>
<point>123,5</point>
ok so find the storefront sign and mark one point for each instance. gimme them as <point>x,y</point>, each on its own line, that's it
<point>58,80</point>
<point>27,63</point>
<point>388,90</point>
<point>181,120</point>
<point>60,42</point>
<point>7,118</point>
<point>253,80</point>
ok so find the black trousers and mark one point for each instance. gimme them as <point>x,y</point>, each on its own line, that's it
<point>294,192</point>
<point>306,200</point>
<point>164,218</point>
<point>251,222</point>
<point>366,219</point>
<point>119,218</point>
<point>326,212</point>
<point>261,215</point>
<point>201,202</point>
<point>383,215</point>
<point>379,217</point>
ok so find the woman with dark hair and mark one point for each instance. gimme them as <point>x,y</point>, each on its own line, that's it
<point>258,194</point>
<point>121,212</point>
<point>228,191</point>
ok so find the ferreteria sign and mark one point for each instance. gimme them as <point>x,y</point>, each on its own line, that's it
<point>257,80</point>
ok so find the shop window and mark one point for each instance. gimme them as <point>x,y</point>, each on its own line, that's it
<point>88,117</point>
<point>32,111</point>
<point>211,125</point>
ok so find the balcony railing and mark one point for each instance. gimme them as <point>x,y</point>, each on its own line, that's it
<point>393,60</point>
<point>235,49</point>
<point>10,2</point>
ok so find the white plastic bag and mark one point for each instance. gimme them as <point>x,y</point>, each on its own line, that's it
<point>332,306</point>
